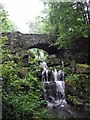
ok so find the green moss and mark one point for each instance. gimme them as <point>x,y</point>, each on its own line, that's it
<point>83,65</point>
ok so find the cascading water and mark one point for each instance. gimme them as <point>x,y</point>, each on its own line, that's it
<point>44,71</point>
<point>54,93</point>
<point>62,64</point>
<point>60,87</point>
<point>55,73</point>
<point>54,87</point>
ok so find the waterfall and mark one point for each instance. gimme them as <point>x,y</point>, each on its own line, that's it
<point>45,81</point>
<point>62,64</point>
<point>44,71</point>
<point>55,74</point>
<point>60,86</point>
<point>54,87</point>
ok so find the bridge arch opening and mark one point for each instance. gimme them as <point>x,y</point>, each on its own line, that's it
<point>49,48</point>
<point>38,54</point>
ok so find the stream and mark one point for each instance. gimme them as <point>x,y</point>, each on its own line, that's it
<point>54,93</point>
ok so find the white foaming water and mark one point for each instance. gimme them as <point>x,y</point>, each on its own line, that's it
<point>62,64</point>
<point>55,73</point>
<point>60,86</point>
<point>44,72</point>
<point>43,64</point>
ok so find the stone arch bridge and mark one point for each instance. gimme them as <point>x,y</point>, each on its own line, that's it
<point>19,41</point>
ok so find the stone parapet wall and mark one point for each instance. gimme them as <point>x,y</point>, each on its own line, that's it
<point>19,41</point>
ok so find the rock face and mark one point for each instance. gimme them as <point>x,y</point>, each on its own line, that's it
<point>19,41</point>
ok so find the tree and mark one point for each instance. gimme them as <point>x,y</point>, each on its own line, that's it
<point>66,20</point>
<point>37,25</point>
<point>5,24</point>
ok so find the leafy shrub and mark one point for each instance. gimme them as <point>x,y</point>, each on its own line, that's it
<point>22,98</point>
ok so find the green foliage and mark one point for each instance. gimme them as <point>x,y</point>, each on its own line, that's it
<point>64,20</point>
<point>73,77</point>
<point>79,89</point>
<point>37,25</point>
<point>5,24</point>
<point>22,97</point>
<point>83,65</point>
<point>67,23</point>
<point>67,70</point>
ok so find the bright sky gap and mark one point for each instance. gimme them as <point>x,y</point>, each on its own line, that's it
<point>22,11</point>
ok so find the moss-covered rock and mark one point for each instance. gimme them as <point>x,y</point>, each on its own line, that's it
<point>23,72</point>
<point>70,87</point>
<point>83,65</point>
<point>76,101</point>
<point>82,68</point>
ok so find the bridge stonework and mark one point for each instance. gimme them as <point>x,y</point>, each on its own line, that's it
<point>19,41</point>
